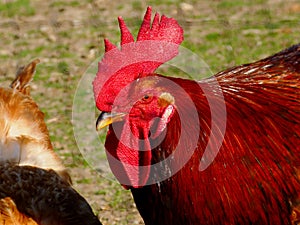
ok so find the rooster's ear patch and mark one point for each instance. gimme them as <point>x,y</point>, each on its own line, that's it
<point>166,99</point>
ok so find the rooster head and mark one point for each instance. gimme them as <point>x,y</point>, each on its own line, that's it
<point>146,100</point>
<point>128,93</point>
<point>136,124</point>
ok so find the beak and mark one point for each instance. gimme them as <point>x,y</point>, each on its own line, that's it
<point>107,118</point>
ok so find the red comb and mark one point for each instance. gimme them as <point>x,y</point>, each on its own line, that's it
<point>155,45</point>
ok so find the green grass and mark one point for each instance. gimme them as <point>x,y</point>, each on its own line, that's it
<point>137,5</point>
<point>16,8</point>
<point>63,68</point>
<point>84,181</point>
<point>64,3</point>
<point>100,192</point>
<point>233,4</point>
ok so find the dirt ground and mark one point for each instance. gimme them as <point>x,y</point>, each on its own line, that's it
<point>67,36</point>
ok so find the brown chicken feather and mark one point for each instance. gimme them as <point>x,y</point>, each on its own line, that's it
<point>35,187</point>
<point>10,215</point>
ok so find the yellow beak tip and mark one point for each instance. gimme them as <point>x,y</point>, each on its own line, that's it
<point>106,119</point>
<point>103,123</point>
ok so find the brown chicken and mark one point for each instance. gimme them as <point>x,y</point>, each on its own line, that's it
<point>222,150</point>
<point>24,137</point>
<point>35,187</point>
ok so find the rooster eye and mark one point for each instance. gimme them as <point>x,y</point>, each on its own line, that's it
<point>146,97</point>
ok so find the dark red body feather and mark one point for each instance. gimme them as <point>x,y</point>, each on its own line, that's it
<point>255,177</point>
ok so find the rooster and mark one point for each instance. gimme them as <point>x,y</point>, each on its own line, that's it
<point>222,150</point>
<point>35,187</point>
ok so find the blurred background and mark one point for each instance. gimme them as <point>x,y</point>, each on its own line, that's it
<point>67,36</point>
